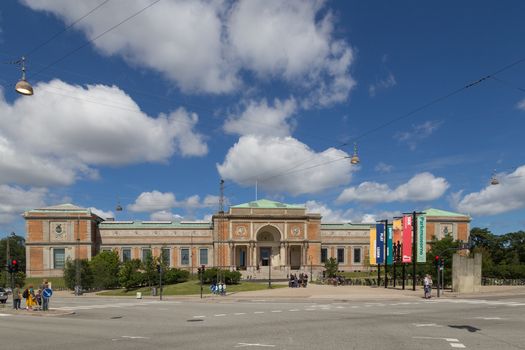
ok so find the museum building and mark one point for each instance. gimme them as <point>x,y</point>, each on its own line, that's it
<point>252,237</point>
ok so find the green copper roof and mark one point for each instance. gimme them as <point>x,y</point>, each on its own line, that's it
<point>438,212</point>
<point>268,204</point>
<point>154,224</point>
<point>344,226</point>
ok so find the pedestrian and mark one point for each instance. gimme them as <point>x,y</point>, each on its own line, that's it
<point>16,297</point>
<point>224,289</point>
<point>46,294</point>
<point>29,295</point>
<point>427,286</point>
<point>305,280</point>
<point>38,298</point>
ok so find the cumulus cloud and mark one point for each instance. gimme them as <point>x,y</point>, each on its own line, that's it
<point>161,202</point>
<point>103,214</point>
<point>164,215</point>
<point>418,133</point>
<point>383,167</point>
<point>421,187</point>
<point>206,46</point>
<point>14,200</point>
<point>261,119</point>
<point>347,215</point>
<point>54,138</point>
<point>383,84</point>
<point>495,199</point>
<point>521,104</point>
<point>284,165</point>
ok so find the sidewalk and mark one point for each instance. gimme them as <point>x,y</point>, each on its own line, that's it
<point>22,312</point>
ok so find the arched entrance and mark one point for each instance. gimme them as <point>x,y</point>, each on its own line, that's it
<point>268,243</point>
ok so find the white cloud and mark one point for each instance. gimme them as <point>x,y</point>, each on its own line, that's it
<point>383,167</point>
<point>153,201</point>
<point>495,199</point>
<point>260,119</point>
<point>348,215</point>
<point>103,214</point>
<point>14,200</point>
<point>418,133</point>
<point>383,84</point>
<point>54,138</point>
<point>421,187</point>
<point>165,215</point>
<point>284,165</point>
<point>161,202</point>
<point>207,46</point>
<point>521,104</point>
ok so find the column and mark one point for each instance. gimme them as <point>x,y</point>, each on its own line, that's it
<point>282,254</point>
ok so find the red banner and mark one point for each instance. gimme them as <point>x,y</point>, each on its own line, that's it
<point>407,239</point>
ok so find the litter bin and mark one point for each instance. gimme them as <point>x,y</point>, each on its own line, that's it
<point>154,291</point>
<point>139,295</point>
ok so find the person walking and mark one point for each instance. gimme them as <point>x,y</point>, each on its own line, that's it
<point>16,297</point>
<point>427,286</point>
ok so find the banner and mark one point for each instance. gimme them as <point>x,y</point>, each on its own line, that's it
<point>397,225</point>
<point>372,253</point>
<point>389,247</point>
<point>421,238</point>
<point>380,244</point>
<point>407,240</point>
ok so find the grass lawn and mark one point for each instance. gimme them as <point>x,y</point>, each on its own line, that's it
<point>190,288</point>
<point>56,282</point>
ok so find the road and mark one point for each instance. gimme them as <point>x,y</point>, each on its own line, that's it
<point>113,323</point>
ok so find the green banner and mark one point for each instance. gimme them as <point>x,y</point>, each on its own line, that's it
<point>421,238</point>
<point>389,248</point>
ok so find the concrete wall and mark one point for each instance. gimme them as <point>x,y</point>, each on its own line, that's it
<point>466,273</point>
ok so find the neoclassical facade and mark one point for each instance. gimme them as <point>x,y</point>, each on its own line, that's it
<point>258,238</point>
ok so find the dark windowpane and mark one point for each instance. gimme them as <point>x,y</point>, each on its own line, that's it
<point>166,256</point>
<point>357,255</point>
<point>59,258</point>
<point>324,255</point>
<point>145,254</point>
<point>340,255</point>
<point>126,255</point>
<point>184,256</point>
<point>203,256</point>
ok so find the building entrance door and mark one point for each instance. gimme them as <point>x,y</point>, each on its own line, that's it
<point>295,257</point>
<point>265,256</point>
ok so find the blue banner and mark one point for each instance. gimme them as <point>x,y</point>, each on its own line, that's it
<point>380,243</point>
<point>389,248</point>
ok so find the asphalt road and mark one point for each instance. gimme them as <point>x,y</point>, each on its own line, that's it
<point>110,323</point>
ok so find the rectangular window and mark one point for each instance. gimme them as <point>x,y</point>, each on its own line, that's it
<point>166,256</point>
<point>126,254</point>
<point>357,255</point>
<point>59,258</point>
<point>146,252</point>
<point>324,254</point>
<point>341,255</point>
<point>203,256</point>
<point>184,256</point>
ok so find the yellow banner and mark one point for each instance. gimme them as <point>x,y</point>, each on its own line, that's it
<point>397,226</point>
<point>372,251</point>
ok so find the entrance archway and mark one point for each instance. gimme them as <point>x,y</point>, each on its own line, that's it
<point>268,243</point>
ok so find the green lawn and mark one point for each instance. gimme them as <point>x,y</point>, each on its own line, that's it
<point>56,282</point>
<point>191,287</point>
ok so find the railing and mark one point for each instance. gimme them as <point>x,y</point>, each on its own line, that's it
<point>486,281</point>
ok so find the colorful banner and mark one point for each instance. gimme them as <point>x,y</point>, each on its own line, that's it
<point>372,253</point>
<point>421,238</point>
<point>380,244</point>
<point>407,240</point>
<point>389,247</point>
<point>397,225</point>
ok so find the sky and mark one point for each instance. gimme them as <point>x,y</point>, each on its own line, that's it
<point>149,105</point>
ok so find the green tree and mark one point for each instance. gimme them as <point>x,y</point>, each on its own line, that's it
<point>105,267</point>
<point>17,250</point>
<point>70,274</point>
<point>130,274</point>
<point>173,276</point>
<point>331,267</point>
<point>151,275</point>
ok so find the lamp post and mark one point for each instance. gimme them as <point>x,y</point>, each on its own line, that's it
<point>311,268</point>
<point>23,87</point>
<point>77,262</point>
<point>270,269</point>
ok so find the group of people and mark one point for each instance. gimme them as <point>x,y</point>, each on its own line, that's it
<point>297,282</point>
<point>34,300</point>
<point>218,288</point>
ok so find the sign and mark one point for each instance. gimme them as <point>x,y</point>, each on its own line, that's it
<point>389,247</point>
<point>397,226</point>
<point>47,292</point>
<point>380,243</point>
<point>407,240</point>
<point>421,238</point>
<point>372,254</point>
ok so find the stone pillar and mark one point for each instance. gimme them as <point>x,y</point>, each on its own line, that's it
<point>282,254</point>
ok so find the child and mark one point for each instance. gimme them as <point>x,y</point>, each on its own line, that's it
<point>38,298</point>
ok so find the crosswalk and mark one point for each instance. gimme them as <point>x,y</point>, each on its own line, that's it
<point>114,305</point>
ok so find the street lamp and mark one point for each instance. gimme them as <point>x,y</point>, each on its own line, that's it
<point>23,87</point>
<point>355,158</point>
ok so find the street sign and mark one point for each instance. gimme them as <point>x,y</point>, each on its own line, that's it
<point>47,292</point>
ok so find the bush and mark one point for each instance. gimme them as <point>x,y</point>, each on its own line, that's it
<point>70,274</point>
<point>105,267</point>
<point>230,277</point>
<point>172,276</point>
<point>129,274</point>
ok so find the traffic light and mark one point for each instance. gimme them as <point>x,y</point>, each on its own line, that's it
<point>12,267</point>
<point>158,268</point>
<point>436,261</point>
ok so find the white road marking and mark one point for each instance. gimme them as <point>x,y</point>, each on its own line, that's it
<point>220,315</point>
<point>239,313</point>
<point>488,318</point>
<point>242,345</point>
<point>277,311</point>
<point>199,316</point>
<point>293,310</point>
<point>310,309</point>
<point>5,315</point>
<point>340,307</point>
<point>457,345</point>
<point>259,312</point>
<point>452,341</point>
<point>426,325</point>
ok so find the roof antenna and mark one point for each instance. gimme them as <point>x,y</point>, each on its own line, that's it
<point>256,190</point>
<point>221,199</point>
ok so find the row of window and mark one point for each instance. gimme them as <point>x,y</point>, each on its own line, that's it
<point>341,255</point>
<point>166,255</point>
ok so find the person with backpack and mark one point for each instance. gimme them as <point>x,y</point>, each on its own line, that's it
<point>29,296</point>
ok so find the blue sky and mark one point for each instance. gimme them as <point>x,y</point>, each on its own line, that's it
<point>154,112</point>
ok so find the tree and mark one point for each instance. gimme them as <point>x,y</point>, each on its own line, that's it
<point>17,250</point>
<point>105,267</point>
<point>331,267</point>
<point>129,274</point>
<point>70,274</point>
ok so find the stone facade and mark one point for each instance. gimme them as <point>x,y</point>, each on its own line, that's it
<point>254,237</point>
